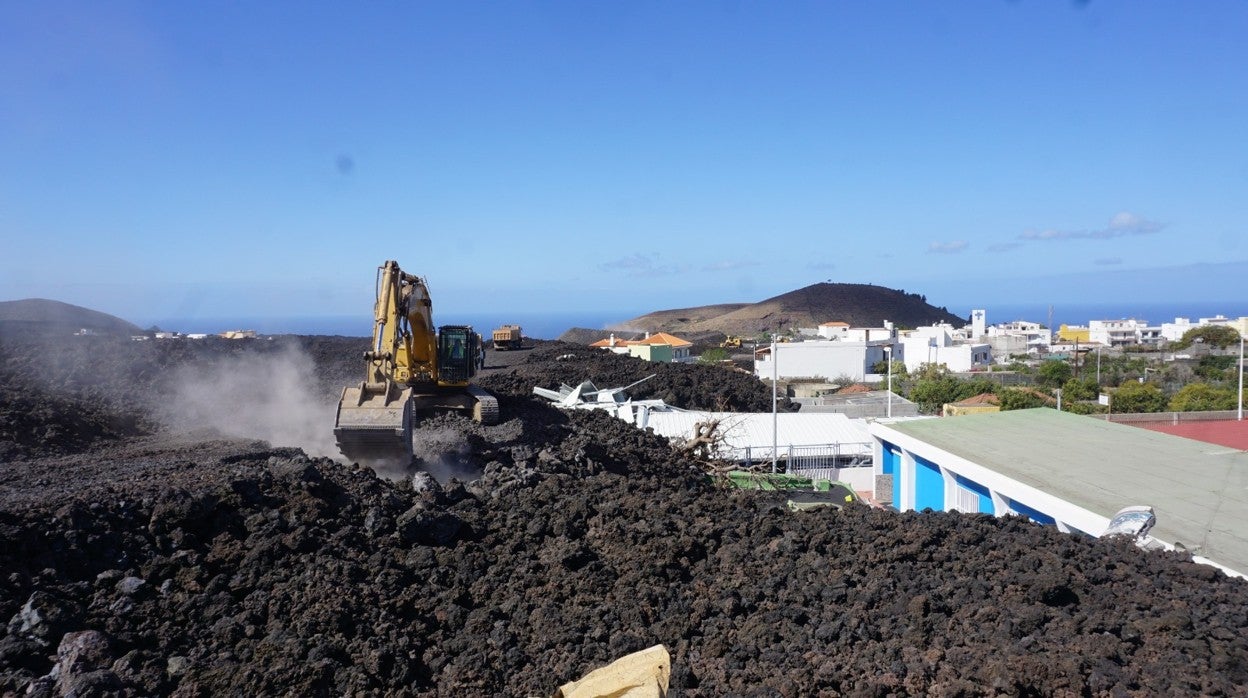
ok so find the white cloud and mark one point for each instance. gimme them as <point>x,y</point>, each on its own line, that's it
<point>729,265</point>
<point>1130,224</point>
<point>645,265</point>
<point>951,247</point>
<point>1048,235</point>
<point>1120,225</point>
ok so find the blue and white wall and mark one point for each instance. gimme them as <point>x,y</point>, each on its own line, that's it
<point>927,477</point>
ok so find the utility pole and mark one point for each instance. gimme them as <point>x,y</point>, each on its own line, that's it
<point>775,377</point>
<point>888,356</point>
<point>1240,413</point>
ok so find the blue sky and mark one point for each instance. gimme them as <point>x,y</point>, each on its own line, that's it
<point>256,159</point>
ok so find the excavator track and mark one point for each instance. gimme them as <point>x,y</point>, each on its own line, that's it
<point>485,410</point>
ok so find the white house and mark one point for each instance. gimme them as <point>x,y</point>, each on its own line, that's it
<point>935,344</point>
<point>870,334</point>
<point>1019,337</point>
<point>833,330</point>
<point>1174,331</point>
<point>1117,333</point>
<point>826,359</point>
<point>659,347</point>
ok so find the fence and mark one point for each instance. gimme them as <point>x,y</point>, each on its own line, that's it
<point>1171,417</point>
<point>1002,378</point>
<point>818,462</point>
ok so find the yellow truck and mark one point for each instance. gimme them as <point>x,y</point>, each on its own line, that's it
<point>508,337</point>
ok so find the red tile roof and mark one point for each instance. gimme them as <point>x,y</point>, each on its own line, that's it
<point>854,389</point>
<point>664,338</point>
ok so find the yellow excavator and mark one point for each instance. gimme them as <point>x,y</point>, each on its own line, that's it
<point>411,370</point>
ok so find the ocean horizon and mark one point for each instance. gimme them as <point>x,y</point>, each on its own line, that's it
<point>534,325</point>
<point>552,325</point>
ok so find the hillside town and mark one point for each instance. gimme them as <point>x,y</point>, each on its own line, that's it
<point>1123,402</point>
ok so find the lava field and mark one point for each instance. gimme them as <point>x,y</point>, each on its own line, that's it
<point>172,523</point>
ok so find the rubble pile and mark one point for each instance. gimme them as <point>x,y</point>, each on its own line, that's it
<point>163,563</point>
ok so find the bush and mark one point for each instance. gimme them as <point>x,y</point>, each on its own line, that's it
<point>1020,399</point>
<point>1085,389</point>
<point>1138,397</point>
<point>1201,397</point>
<point>1054,373</point>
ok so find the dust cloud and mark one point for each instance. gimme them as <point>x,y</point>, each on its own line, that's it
<point>444,453</point>
<point>271,397</point>
<point>440,452</point>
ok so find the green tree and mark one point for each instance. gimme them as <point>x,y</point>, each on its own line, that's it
<point>929,371</point>
<point>1020,399</point>
<point>899,368</point>
<point>1133,396</point>
<point>931,393</point>
<point>978,386</point>
<point>1219,336</point>
<point>1053,373</point>
<point>1085,389</point>
<point>714,355</point>
<point>1200,397</point>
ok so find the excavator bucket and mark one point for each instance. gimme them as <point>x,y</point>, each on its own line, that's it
<point>374,426</point>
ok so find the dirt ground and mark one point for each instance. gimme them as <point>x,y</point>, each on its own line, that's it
<point>159,537</point>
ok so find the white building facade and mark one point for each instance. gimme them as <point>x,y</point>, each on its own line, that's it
<point>1119,333</point>
<point>1019,337</point>
<point>1174,331</point>
<point>935,345</point>
<point>825,359</point>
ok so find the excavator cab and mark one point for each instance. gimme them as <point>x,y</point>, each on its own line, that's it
<point>458,350</point>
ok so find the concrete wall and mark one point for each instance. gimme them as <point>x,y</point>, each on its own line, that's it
<point>658,353</point>
<point>916,467</point>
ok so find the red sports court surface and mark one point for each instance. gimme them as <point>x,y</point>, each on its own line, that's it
<point>1232,433</point>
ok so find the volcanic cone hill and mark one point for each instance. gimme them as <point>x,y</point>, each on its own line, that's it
<point>47,317</point>
<point>183,562</point>
<point>860,305</point>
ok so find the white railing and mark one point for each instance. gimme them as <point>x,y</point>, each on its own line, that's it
<point>803,460</point>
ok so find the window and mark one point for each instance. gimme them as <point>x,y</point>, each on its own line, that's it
<point>965,500</point>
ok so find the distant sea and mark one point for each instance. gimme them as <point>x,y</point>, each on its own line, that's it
<point>535,325</point>
<point>552,325</point>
